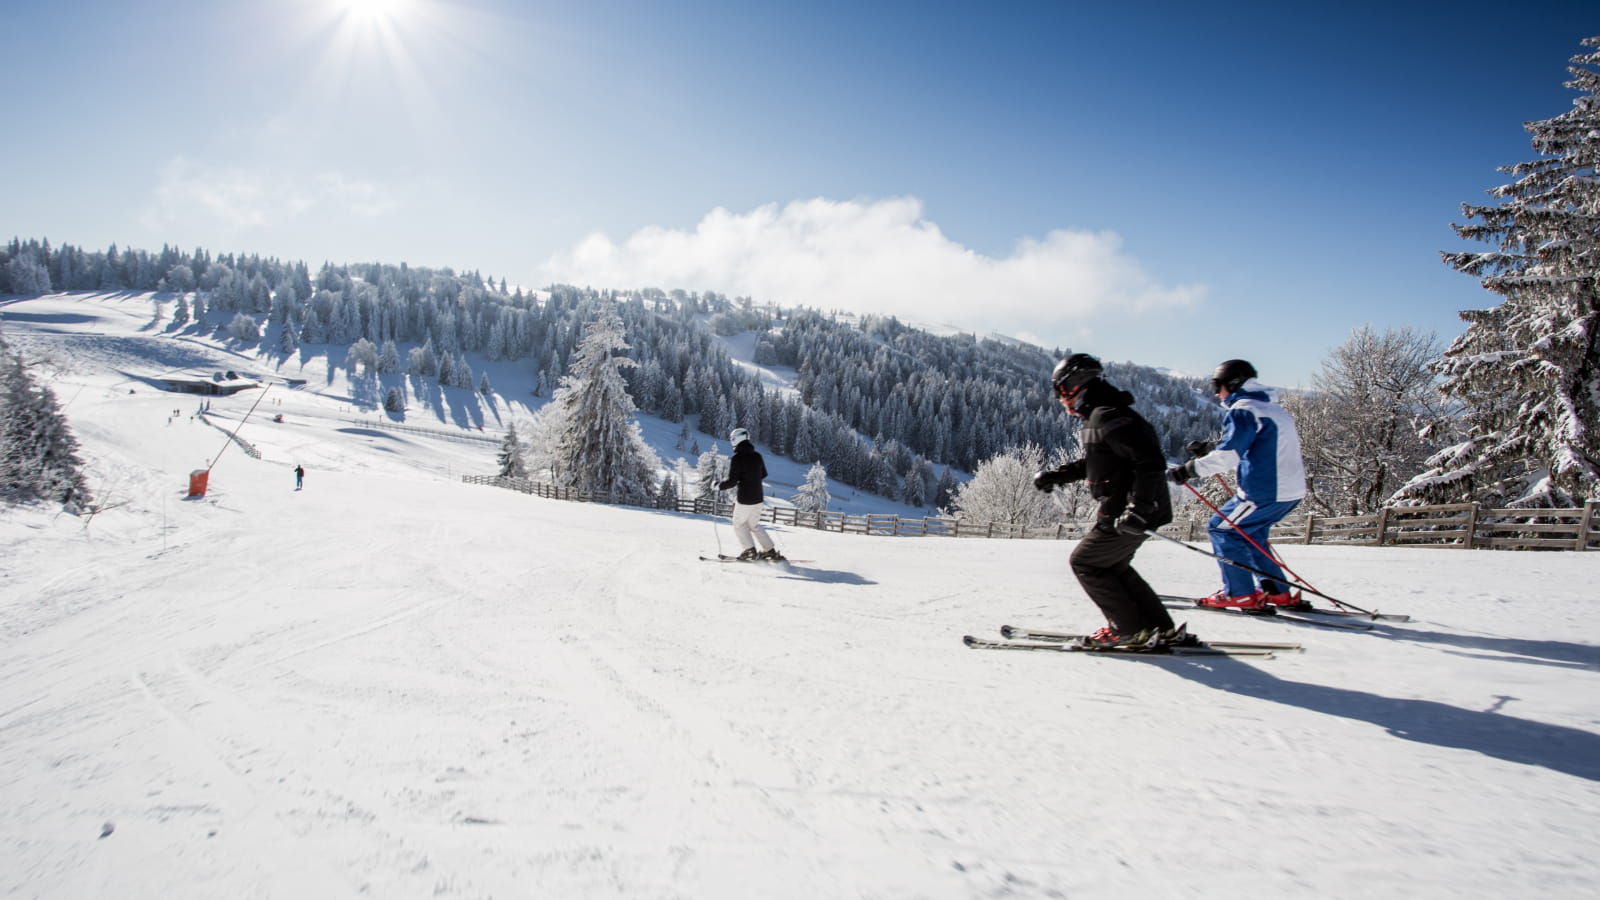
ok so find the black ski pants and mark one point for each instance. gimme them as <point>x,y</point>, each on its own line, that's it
<point>1103,562</point>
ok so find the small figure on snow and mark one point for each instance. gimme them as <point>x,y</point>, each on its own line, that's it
<point>745,473</point>
<point>1123,463</point>
<point>299,477</point>
<point>1259,438</point>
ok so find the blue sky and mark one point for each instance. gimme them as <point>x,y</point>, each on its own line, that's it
<point>1168,183</point>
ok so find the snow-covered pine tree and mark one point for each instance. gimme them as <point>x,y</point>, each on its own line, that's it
<point>711,469</point>
<point>595,443</point>
<point>395,400</point>
<point>288,336</point>
<point>667,497</point>
<point>944,493</point>
<point>510,456</point>
<point>813,495</point>
<point>1527,372</point>
<point>38,453</point>
<point>388,359</point>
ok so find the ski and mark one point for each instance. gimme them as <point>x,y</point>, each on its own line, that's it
<point>1270,612</point>
<point>977,643</point>
<point>1308,609</point>
<point>723,558</point>
<point>1034,634</point>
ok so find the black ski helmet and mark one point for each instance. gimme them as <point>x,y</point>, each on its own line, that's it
<point>1074,372</point>
<point>1231,374</point>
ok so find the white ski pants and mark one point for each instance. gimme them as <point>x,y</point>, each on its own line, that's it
<point>747,526</point>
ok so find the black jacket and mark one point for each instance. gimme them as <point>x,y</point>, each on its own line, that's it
<point>1122,459</point>
<point>746,471</point>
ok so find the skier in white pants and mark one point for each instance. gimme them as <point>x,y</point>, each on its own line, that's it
<point>745,473</point>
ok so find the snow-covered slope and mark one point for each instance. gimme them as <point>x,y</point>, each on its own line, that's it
<point>392,684</point>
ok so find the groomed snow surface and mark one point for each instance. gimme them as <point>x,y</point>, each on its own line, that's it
<point>393,684</point>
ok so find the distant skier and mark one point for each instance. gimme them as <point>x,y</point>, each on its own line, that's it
<point>1123,463</point>
<point>1260,439</point>
<point>745,473</point>
<point>299,477</point>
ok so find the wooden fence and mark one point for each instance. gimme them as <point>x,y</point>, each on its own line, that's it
<point>1461,525</point>
<point>436,433</point>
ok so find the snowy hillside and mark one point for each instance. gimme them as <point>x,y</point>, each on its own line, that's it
<point>392,684</point>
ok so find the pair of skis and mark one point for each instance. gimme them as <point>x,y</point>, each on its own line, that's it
<point>1063,642</point>
<point>724,558</point>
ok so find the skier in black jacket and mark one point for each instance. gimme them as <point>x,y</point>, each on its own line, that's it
<point>1126,471</point>
<point>745,472</point>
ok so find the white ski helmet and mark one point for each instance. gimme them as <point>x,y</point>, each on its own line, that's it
<point>739,436</point>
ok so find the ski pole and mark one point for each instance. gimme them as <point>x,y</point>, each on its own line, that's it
<point>1239,565</point>
<point>715,517</point>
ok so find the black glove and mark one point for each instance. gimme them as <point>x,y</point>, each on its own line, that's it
<point>727,484</point>
<point>1074,471</point>
<point>1200,448</point>
<point>1046,479</point>
<point>1181,474</point>
<point>1132,524</point>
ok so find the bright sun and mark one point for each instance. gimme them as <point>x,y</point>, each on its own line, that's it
<point>374,10</point>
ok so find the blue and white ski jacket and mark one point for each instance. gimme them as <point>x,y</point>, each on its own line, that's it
<point>1258,437</point>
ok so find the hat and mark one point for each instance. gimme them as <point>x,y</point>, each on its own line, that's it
<point>739,436</point>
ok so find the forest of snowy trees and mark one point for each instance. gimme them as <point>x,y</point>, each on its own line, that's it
<point>883,407</point>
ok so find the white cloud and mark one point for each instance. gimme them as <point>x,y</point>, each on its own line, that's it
<point>880,256</point>
<point>189,192</point>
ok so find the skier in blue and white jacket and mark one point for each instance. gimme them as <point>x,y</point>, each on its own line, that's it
<point>1260,441</point>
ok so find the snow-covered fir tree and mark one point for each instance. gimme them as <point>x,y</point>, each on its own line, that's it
<point>395,400</point>
<point>389,359</point>
<point>289,337</point>
<point>813,495</point>
<point>595,444</point>
<point>38,453</point>
<point>1527,372</point>
<point>510,457</point>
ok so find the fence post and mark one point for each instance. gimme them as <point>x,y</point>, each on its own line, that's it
<point>1586,523</point>
<point>1310,527</point>
<point>1472,528</point>
<point>1383,525</point>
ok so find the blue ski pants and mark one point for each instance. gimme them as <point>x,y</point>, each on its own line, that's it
<point>1226,541</point>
